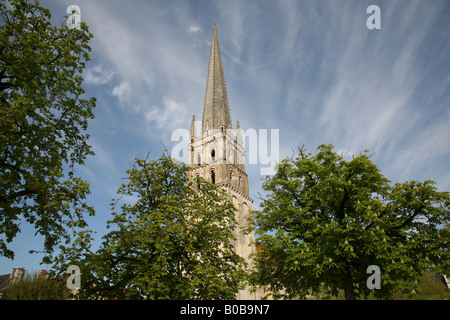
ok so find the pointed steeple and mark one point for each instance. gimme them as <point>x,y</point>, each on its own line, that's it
<point>193,129</point>
<point>239,134</point>
<point>216,110</point>
<point>218,156</point>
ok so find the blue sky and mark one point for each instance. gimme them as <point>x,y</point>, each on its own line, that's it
<point>311,69</point>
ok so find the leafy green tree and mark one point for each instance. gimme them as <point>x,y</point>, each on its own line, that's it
<point>325,220</point>
<point>430,288</point>
<point>169,240</point>
<point>42,124</point>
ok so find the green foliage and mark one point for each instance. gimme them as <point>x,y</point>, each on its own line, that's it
<point>35,287</point>
<point>167,241</point>
<point>326,219</point>
<point>429,288</point>
<point>42,124</point>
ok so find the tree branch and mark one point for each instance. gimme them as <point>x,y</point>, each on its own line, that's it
<point>409,219</point>
<point>25,192</point>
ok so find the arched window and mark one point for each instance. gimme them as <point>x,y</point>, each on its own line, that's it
<point>197,181</point>
<point>213,177</point>
<point>213,155</point>
<point>199,160</point>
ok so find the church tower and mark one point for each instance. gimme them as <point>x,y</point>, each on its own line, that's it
<point>218,154</point>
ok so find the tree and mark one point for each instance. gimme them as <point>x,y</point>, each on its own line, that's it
<point>430,288</point>
<point>169,240</point>
<point>325,220</point>
<point>42,124</point>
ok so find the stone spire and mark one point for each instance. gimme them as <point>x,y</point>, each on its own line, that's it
<point>216,110</point>
<point>218,157</point>
<point>239,138</point>
<point>193,129</point>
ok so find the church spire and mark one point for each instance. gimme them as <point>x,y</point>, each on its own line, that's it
<point>216,110</point>
<point>218,156</point>
<point>193,129</point>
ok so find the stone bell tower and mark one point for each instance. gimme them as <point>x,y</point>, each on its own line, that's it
<point>218,154</point>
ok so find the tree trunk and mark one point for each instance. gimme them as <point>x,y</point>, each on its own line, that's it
<point>348,285</point>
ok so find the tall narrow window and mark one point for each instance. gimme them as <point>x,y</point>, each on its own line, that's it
<point>213,177</point>
<point>199,160</point>
<point>213,155</point>
<point>197,181</point>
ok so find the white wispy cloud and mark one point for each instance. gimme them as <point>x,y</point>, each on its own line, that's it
<point>97,75</point>
<point>152,59</point>
<point>165,116</point>
<point>426,148</point>
<point>194,28</point>
<point>122,91</point>
<point>369,102</point>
